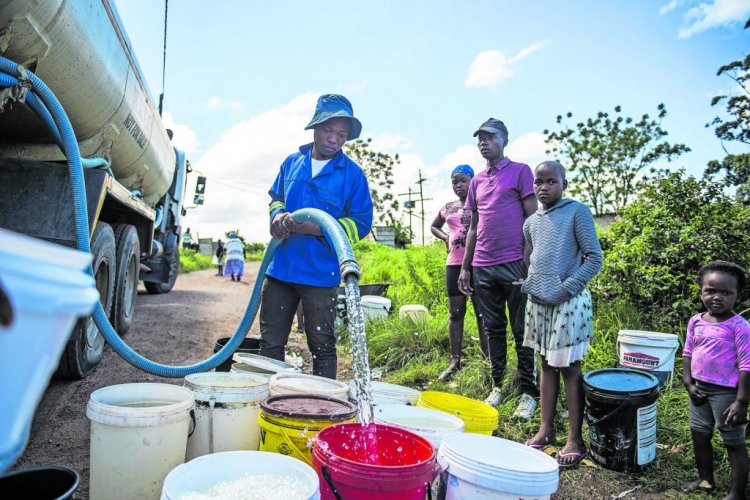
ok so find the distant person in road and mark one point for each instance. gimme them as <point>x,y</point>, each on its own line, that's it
<point>187,240</point>
<point>716,374</point>
<point>500,199</point>
<point>305,267</point>
<point>219,256</point>
<point>235,253</point>
<point>458,219</point>
<point>563,255</point>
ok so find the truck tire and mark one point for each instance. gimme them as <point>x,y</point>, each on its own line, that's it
<point>174,270</point>
<point>126,276</point>
<point>86,345</point>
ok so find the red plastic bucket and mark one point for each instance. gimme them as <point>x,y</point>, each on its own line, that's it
<point>373,462</point>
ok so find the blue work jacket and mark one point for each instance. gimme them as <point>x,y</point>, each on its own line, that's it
<point>340,189</point>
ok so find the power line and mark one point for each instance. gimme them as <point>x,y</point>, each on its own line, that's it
<point>410,203</point>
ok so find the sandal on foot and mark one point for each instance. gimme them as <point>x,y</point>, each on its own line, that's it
<point>697,485</point>
<point>547,443</point>
<point>577,457</point>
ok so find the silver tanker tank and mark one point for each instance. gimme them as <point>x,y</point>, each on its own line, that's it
<point>81,52</point>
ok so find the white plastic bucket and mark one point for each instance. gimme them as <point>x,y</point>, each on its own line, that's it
<point>139,433</point>
<point>433,425</point>
<point>385,393</point>
<point>481,466</point>
<point>300,383</point>
<point>245,369</point>
<point>48,290</point>
<point>653,352</point>
<point>415,312</point>
<point>258,472</point>
<point>375,307</point>
<point>263,364</point>
<point>226,412</point>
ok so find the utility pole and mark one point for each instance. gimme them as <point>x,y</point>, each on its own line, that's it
<point>410,204</point>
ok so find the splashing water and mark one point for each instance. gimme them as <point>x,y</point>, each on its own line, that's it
<point>358,344</point>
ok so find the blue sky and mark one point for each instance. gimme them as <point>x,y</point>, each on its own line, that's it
<point>242,78</point>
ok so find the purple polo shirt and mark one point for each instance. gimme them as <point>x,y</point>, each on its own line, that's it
<point>497,194</point>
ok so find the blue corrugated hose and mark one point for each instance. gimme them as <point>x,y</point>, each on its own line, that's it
<point>61,127</point>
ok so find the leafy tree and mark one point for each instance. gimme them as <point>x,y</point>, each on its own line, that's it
<point>610,157</point>
<point>378,167</point>
<point>655,248</point>
<point>735,128</point>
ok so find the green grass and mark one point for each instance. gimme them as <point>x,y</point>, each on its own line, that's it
<point>414,353</point>
<point>191,261</point>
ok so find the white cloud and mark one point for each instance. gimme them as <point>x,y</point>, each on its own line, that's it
<point>492,67</point>
<point>213,102</point>
<point>241,167</point>
<point>237,105</point>
<point>529,148</point>
<point>709,14</point>
<point>184,137</point>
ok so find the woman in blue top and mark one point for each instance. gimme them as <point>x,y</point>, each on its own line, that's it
<point>305,268</point>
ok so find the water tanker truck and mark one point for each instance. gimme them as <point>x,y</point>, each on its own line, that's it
<point>134,179</point>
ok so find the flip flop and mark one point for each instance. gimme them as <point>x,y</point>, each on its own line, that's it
<point>540,446</point>
<point>577,456</point>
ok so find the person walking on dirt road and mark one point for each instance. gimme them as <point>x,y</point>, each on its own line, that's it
<point>305,267</point>
<point>500,199</point>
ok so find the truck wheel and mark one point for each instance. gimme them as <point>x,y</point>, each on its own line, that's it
<point>86,345</point>
<point>174,270</point>
<point>126,276</point>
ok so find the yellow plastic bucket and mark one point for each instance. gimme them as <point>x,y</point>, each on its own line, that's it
<point>290,422</point>
<point>479,418</point>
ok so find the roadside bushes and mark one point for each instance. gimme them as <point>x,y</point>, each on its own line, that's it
<point>654,250</point>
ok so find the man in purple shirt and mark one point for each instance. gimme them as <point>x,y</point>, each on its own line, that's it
<point>500,198</point>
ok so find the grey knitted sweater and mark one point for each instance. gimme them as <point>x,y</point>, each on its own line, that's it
<point>565,252</point>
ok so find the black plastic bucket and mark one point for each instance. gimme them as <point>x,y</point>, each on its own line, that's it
<point>248,345</point>
<point>40,483</point>
<point>621,416</point>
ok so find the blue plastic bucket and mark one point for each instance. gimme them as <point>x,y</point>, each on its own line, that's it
<point>48,289</point>
<point>621,416</point>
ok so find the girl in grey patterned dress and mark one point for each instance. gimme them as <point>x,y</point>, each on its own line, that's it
<point>563,255</point>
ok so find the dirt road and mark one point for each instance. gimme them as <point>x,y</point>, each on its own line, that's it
<point>177,328</point>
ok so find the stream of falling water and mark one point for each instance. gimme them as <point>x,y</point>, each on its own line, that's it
<point>358,345</point>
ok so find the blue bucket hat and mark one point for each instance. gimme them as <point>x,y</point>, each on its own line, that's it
<point>335,106</point>
<point>232,234</point>
<point>463,169</point>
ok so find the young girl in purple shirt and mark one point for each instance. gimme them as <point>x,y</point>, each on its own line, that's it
<point>716,373</point>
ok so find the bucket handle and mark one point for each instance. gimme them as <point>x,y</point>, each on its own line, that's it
<point>660,365</point>
<point>590,421</point>
<point>296,453</point>
<point>191,431</point>
<point>329,480</point>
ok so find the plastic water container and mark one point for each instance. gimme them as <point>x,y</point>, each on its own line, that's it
<point>139,433</point>
<point>415,312</point>
<point>621,416</point>
<point>250,471</point>
<point>478,466</point>
<point>290,422</point>
<point>478,417</point>
<point>46,482</point>
<point>385,393</point>
<point>249,345</point>
<point>300,383</point>
<point>433,425</point>
<point>245,369</point>
<point>375,307</point>
<point>373,463</point>
<point>226,412</point>
<point>649,351</point>
<point>48,290</point>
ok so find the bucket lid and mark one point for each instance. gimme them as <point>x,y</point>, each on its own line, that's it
<point>225,387</point>
<point>300,382</point>
<point>309,406</point>
<point>266,363</point>
<point>499,464</point>
<point>619,382</point>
